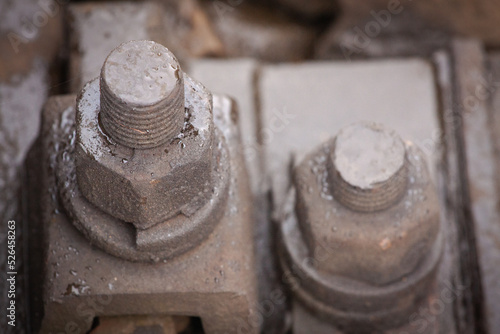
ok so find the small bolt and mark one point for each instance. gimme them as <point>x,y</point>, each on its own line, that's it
<point>142,95</point>
<point>367,167</point>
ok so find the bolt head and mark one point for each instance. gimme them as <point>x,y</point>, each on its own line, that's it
<point>367,154</point>
<point>140,73</point>
<point>376,247</point>
<point>142,95</point>
<point>367,168</point>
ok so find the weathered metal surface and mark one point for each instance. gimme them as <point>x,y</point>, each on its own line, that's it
<point>465,277</point>
<point>380,246</point>
<point>176,175</point>
<point>169,189</point>
<point>396,39</point>
<point>238,81</point>
<point>141,95</point>
<point>297,98</point>
<point>215,281</point>
<point>362,271</point>
<point>399,93</point>
<point>475,89</point>
<point>372,179</point>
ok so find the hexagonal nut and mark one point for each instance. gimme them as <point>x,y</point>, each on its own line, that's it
<point>376,247</point>
<point>146,187</point>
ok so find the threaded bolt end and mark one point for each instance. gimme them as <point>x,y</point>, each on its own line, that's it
<point>142,95</point>
<point>368,167</point>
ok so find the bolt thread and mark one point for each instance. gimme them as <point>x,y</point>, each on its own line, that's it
<point>142,127</point>
<point>380,196</point>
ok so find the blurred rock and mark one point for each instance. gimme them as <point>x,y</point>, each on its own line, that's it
<point>188,31</point>
<point>381,35</point>
<point>252,30</point>
<point>29,29</point>
<point>474,18</point>
<point>96,29</point>
<point>311,9</point>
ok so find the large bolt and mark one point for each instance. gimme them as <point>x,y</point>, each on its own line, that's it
<point>142,95</point>
<point>146,128</point>
<point>367,168</point>
<point>366,213</point>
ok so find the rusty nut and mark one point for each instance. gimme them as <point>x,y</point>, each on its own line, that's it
<point>144,137</point>
<point>366,205</point>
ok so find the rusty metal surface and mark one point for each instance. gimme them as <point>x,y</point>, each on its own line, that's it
<point>474,84</point>
<point>154,240</point>
<point>176,175</point>
<point>373,179</point>
<point>326,246</point>
<point>468,306</point>
<point>214,281</point>
<point>293,107</point>
<point>398,93</point>
<point>379,246</point>
<point>239,81</point>
<point>141,95</point>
